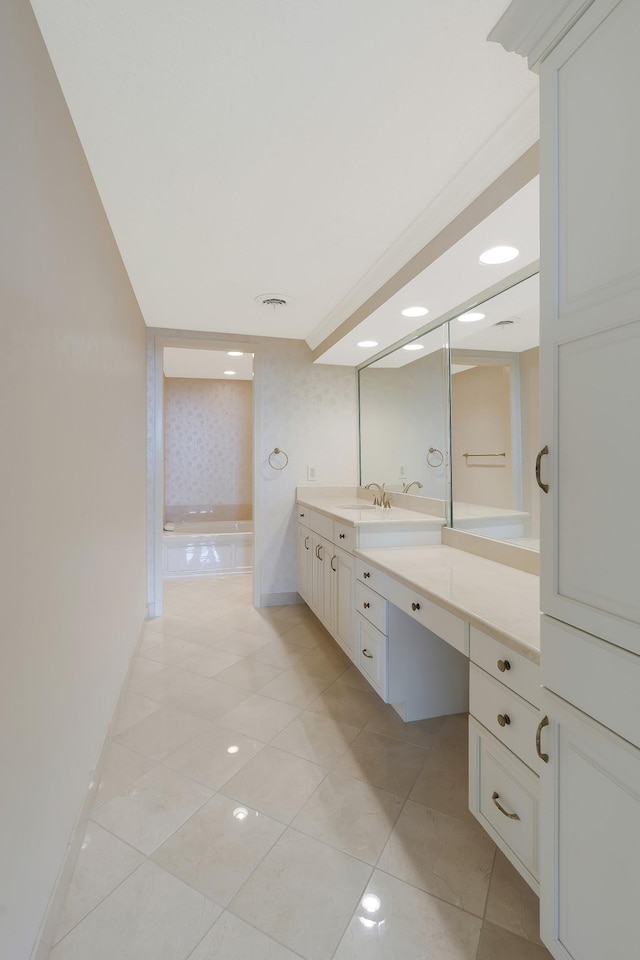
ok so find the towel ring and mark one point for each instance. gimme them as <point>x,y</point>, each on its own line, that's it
<point>434,452</point>
<point>275,452</point>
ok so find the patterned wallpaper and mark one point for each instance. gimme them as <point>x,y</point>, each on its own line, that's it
<point>208,441</point>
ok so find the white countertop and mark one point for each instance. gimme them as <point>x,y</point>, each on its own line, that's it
<point>501,601</point>
<point>393,517</point>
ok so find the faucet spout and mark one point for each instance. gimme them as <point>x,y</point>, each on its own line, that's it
<point>377,499</point>
<point>407,486</point>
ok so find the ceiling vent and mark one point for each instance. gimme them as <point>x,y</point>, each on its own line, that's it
<point>506,323</point>
<point>273,300</point>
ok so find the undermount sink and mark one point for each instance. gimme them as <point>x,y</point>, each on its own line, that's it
<point>360,505</point>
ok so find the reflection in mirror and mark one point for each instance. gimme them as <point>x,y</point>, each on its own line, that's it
<point>494,416</point>
<point>404,414</point>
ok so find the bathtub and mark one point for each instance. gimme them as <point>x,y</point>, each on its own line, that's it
<point>197,548</point>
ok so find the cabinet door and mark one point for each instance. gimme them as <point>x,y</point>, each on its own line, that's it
<point>305,553</point>
<point>318,562</point>
<point>345,626</point>
<point>331,588</point>
<point>590,838</point>
<point>590,325</point>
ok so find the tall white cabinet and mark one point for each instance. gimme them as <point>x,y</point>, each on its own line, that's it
<point>586,52</point>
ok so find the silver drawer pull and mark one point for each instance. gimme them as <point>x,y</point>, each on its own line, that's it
<point>366,575</point>
<point>495,797</point>
<point>504,719</point>
<point>366,604</point>
<point>334,557</point>
<point>543,723</point>
<point>306,543</point>
<point>367,654</point>
<point>342,535</point>
<point>503,665</point>
<point>415,606</point>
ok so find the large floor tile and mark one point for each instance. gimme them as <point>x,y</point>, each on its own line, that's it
<point>231,938</point>
<point>296,688</point>
<point>142,669</point>
<point>163,732</point>
<point>249,674</point>
<point>132,708</point>
<point>326,664</point>
<point>280,653</point>
<point>422,733</point>
<point>442,856</point>
<point>168,684</point>
<point>346,705</point>
<point>151,808</point>
<point>394,921</point>
<point>276,783</point>
<point>172,651</point>
<point>353,678</point>
<point>103,863</point>
<point>317,738</point>
<point>211,700</point>
<point>259,716</point>
<point>216,850</point>
<point>214,756</point>
<point>237,642</point>
<point>443,782</point>
<point>303,895</point>
<point>247,620</point>
<point>511,903</point>
<point>151,916</point>
<point>350,815</point>
<point>210,663</point>
<point>121,767</point>
<point>383,762</point>
<point>498,944</point>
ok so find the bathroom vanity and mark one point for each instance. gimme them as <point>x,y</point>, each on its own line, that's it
<point>436,630</point>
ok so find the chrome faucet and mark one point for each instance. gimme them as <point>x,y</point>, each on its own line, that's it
<point>377,500</point>
<point>407,486</point>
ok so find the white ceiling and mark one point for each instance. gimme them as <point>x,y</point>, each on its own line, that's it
<point>297,147</point>
<point>206,364</point>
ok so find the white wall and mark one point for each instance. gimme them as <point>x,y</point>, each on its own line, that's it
<point>530,408</point>
<point>72,421</point>
<point>309,411</point>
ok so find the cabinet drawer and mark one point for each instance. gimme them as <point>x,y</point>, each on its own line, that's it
<point>321,524</point>
<point>344,536</point>
<point>435,618</point>
<point>372,577</point>
<point>490,700</point>
<point>302,513</point>
<point>497,777</point>
<point>372,606</point>
<point>372,655</point>
<point>507,666</point>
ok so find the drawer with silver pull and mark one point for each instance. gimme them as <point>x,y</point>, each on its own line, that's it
<point>506,715</point>
<point>517,672</point>
<point>504,797</point>
<point>302,513</point>
<point>372,606</point>
<point>444,624</point>
<point>344,536</point>
<point>372,577</point>
<point>372,653</point>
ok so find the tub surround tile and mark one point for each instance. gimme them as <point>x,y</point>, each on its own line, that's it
<point>389,764</point>
<point>214,756</point>
<point>103,863</point>
<point>317,738</point>
<point>152,808</point>
<point>276,783</point>
<point>163,732</point>
<point>350,815</point>
<point>218,848</point>
<point>121,767</point>
<point>441,855</point>
<point>150,916</point>
<point>394,919</point>
<point>303,895</point>
<point>231,938</point>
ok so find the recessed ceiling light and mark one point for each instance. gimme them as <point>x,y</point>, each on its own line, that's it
<point>499,255</point>
<point>229,373</point>
<point>471,316</point>
<point>368,343</point>
<point>415,312</point>
<point>413,346</point>
<point>235,353</point>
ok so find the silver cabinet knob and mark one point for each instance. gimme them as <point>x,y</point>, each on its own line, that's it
<point>503,665</point>
<point>415,606</point>
<point>504,719</point>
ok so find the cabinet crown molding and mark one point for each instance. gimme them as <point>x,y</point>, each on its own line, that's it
<point>533,28</point>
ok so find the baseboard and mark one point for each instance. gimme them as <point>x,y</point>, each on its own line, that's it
<point>45,939</point>
<point>279,599</point>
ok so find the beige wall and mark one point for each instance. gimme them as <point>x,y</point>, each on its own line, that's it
<point>72,395</point>
<point>481,423</point>
<point>530,407</point>
<point>208,430</point>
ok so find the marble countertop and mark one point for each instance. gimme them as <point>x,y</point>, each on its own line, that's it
<point>497,599</point>
<point>338,508</point>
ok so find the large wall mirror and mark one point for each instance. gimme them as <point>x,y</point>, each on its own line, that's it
<point>453,416</point>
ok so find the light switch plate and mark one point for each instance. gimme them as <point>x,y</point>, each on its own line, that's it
<point>312,473</point>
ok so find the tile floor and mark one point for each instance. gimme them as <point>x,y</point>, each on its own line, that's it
<point>259,802</point>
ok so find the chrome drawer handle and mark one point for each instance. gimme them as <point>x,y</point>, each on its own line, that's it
<point>306,543</point>
<point>504,719</point>
<point>366,604</point>
<point>503,665</point>
<point>543,723</point>
<point>543,486</point>
<point>332,566</point>
<point>366,575</point>
<point>367,654</point>
<point>342,535</point>
<point>415,606</point>
<point>495,797</point>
